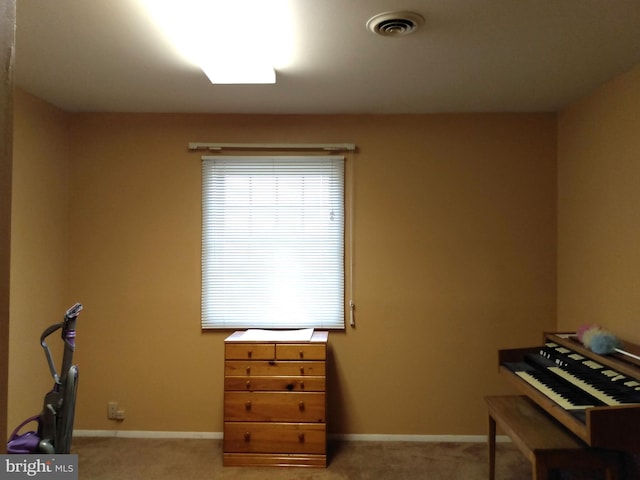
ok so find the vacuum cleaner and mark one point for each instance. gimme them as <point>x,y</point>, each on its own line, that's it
<point>55,421</point>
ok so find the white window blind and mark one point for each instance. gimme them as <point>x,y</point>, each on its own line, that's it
<point>273,242</point>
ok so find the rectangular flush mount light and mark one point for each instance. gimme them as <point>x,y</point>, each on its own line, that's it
<point>238,73</point>
<point>232,41</point>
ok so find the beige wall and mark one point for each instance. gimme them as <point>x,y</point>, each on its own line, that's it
<point>455,228</point>
<point>599,209</point>
<point>39,248</point>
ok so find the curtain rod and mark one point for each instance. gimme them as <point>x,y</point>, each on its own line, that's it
<point>332,147</point>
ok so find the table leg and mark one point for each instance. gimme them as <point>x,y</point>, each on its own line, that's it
<point>492,448</point>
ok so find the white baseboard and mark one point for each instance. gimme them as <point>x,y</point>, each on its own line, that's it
<point>415,438</point>
<point>336,436</point>
<point>147,434</point>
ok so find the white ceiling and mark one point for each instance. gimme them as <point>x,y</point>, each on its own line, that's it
<point>470,56</point>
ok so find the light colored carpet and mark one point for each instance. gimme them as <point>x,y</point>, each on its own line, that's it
<point>159,459</point>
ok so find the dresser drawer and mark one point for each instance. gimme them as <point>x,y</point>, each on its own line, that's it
<point>274,407</point>
<point>306,351</point>
<point>273,368</point>
<point>241,437</point>
<point>290,384</point>
<point>250,351</point>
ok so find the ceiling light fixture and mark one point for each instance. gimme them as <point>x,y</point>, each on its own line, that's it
<point>395,24</point>
<point>233,42</point>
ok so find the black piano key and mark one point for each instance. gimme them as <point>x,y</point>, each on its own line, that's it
<point>565,389</point>
<point>557,385</point>
<point>601,379</point>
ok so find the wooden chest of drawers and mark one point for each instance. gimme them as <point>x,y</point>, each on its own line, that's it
<point>275,402</point>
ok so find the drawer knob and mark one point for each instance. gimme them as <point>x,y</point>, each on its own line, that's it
<point>249,353</point>
<point>248,384</point>
<point>301,385</point>
<point>301,406</point>
<point>247,436</point>
<point>248,370</point>
<point>301,437</point>
<point>247,406</point>
<point>301,354</point>
<point>301,370</point>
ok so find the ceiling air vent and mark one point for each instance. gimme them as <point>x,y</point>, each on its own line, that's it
<point>394,24</point>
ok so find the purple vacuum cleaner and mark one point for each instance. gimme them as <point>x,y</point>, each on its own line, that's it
<point>55,421</point>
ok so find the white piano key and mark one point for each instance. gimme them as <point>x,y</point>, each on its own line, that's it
<point>603,397</point>
<point>593,365</point>
<point>563,402</point>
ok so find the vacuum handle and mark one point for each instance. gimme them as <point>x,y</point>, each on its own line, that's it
<point>47,350</point>
<point>70,317</point>
<point>68,327</point>
<point>69,338</point>
<point>73,312</point>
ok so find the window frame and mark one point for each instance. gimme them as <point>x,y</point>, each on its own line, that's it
<point>209,322</point>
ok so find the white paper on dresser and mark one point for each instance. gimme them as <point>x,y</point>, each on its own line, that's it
<point>256,334</point>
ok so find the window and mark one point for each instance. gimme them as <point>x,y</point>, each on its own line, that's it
<point>273,242</point>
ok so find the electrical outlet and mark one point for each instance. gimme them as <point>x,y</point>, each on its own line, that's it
<point>120,415</point>
<point>112,410</point>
